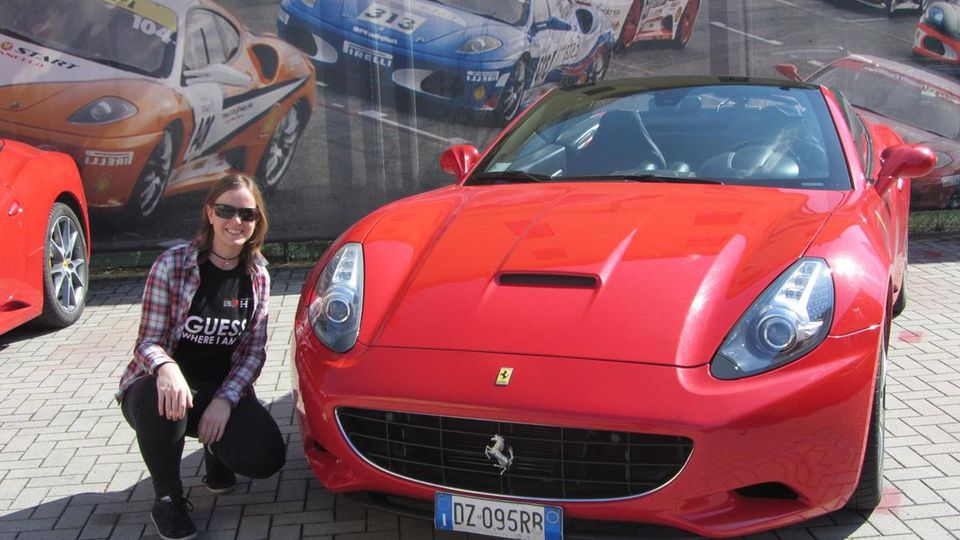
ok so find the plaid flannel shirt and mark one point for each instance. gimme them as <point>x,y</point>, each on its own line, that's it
<point>171,285</point>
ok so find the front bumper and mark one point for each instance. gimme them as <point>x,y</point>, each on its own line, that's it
<point>109,166</point>
<point>929,43</point>
<point>802,426</point>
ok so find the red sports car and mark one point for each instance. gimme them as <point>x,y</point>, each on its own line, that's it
<point>922,107</point>
<point>651,300</point>
<point>45,250</point>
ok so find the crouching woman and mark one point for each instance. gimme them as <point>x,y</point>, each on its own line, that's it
<point>201,346</point>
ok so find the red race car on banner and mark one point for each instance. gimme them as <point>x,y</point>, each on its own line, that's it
<point>938,33</point>
<point>652,300</point>
<point>46,245</point>
<point>151,98</point>
<point>922,107</point>
<point>650,20</point>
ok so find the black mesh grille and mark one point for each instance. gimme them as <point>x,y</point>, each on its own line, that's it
<point>443,84</point>
<point>548,462</point>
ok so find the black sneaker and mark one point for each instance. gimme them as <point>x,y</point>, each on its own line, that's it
<point>219,479</point>
<point>169,515</point>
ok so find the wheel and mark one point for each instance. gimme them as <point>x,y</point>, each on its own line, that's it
<point>598,70</point>
<point>65,269</point>
<point>869,490</point>
<point>148,191</point>
<point>278,154</point>
<point>685,25</point>
<point>511,99</point>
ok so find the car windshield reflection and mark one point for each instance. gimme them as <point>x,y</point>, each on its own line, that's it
<point>742,134</point>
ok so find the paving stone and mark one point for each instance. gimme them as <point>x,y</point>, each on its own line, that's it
<point>70,467</point>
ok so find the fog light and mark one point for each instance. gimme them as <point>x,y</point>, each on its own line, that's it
<point>479,93</point>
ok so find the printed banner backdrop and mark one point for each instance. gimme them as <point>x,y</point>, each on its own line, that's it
<point>155,99</point>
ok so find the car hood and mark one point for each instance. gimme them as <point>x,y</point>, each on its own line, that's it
<point>24,65</point>
<point>431,21</point>
<point>649,273</point>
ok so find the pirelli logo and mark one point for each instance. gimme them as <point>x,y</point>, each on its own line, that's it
<point>374,57</point>
<point>107,159</point>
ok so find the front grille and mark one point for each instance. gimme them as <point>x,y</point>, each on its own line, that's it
<point>439,83</point>
<point>548,462</point>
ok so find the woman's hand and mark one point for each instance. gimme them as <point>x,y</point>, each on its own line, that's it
<point>214,420</point>
<point>173,392</point>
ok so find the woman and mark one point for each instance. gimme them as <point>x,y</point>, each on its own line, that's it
<point>201,346</point>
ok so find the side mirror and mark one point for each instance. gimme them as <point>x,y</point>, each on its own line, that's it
<point>459,160</point>
<point>789,71</point>
<point>904,160</point>
<point>216,73</point>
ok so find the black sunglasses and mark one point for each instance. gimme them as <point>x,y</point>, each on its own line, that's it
<point>226,211</point>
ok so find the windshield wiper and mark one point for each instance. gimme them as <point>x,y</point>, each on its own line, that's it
<point>650,178</point>
<point>507,177</point>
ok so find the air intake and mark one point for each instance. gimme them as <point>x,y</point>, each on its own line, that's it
<point>529,279</point>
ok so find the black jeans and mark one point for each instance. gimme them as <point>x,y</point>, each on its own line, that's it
<point>251,445</point>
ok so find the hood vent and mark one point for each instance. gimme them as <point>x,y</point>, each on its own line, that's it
<point>531,279</point>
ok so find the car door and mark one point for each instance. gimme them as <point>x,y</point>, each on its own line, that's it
<point>557,39</point>
<point>13,251</point>
<point>215,80</point>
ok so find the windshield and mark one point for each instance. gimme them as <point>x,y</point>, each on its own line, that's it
<point>512,12</point>
<point>743,134</point>
<point>135,35</point>
<point>897,97</point>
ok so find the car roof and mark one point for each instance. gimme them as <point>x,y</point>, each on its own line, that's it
<point>931,79</point>
<point>626,86</point>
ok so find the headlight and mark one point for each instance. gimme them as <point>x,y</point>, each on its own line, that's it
<point>480,44</point>
<point>104,111</point>
<point>309,3</point>
<point>335,311</point>
<point>790,318</point>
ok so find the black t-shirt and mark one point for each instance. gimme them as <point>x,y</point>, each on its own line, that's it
<point>219,315</point>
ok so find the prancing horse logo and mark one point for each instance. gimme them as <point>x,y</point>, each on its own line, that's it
<point>495,451</point>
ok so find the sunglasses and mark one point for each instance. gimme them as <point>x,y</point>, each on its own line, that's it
<point>226,211</point>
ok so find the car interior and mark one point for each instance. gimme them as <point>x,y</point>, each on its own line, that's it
<point>749,138</point>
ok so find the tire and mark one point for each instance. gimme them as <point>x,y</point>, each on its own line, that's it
<point>685,25</point>
<point>511,99</point>
<point>901,302</point>
<point>65,271</point>
<point>866,496</point>
<point>278,154</point>
<point>153,180</point>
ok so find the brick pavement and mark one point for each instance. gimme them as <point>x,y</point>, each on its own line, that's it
<point>69,465</point>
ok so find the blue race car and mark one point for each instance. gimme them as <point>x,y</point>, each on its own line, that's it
<point>482,55</point>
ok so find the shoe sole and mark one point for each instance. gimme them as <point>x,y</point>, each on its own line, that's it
<point>221,491</point>
<point>188,537</point>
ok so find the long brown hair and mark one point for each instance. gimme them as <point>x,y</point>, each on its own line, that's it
<point>251,249</point>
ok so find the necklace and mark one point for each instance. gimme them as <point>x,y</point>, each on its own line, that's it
<point>222,258</point>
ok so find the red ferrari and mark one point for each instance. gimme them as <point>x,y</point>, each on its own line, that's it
<point>652,300</point>
<point>45,250</point>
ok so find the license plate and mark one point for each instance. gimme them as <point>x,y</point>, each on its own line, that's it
<point>498,518</point>
<point>284,17</point>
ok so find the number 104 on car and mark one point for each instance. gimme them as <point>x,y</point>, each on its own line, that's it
<point>498,518</point>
